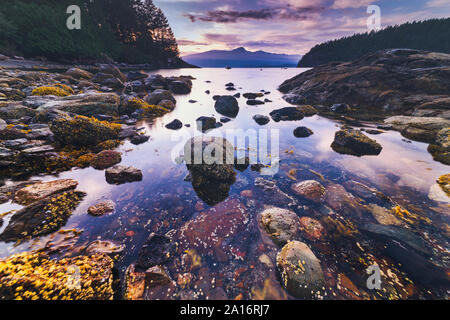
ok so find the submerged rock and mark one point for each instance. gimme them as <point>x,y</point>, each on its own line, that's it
<point>41,190</point>
<point>102,208</point>
<point>310,190</point>
<point>282,225</point>
<point>354,142</point>
<point>311,229</point>
<point>227,106</point>
<point>301,272</point>
<point>122,174</point>
<point>272,193</point>
<point>43,278</point>
<point>157,250</point>
<point>103,247</point>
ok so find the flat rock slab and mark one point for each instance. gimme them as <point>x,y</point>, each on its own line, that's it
<point>41,190</point>
<point>122,174</point>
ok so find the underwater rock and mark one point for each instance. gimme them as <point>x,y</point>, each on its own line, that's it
<point>44,278</point>
<point>302,132</point>
<point>272,193</point>
<point>122,174</point>
<point>396,233</point>
<point>41,190</point>
<point>227,106</point>
<point>310,190</point>
<point>103,247</point>
<point>383,215</point>
<point>301,272</point>
<point>282,225</point>
<point>102,208</point>
<point>42,217</point>
<point>311,229</point>
<point>354,142</point>
<point>106,159</point>
<point>157,250</point>
<point>287,114</point>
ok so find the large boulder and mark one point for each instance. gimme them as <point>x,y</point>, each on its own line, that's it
<point>87,104</point>
<point>114,71</point>
<point>227,106</point>
<point>300,270</point>
<point>206,123</point>
<point>401,81</point>
<point>41,190</point>
<point>82,131</point>
<point>354,142</point>
<point>180,85</point>
<point>281,224</point>
<point>155,97</point>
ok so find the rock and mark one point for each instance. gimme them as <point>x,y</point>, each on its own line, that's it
<point>227,106</point>
<point>383,215</point>
<point>45,278</point>
<point>192,101</point>
<point>253,96</point>
<point>108,81</point>
<point>307,110</point>
<point>282,225</point>
<point>440,149</point>
<point>103,247</point>
<point>302,132</point>
<point>310,190</point>
<point>78,73</point>
<point>127,132</point>
<point>300,270</point>
<point>136,75</point>
<point>206,123</point>
<point>261,119</point>
<point>444,183</point>
<point>40,150</point>
<point>41,217</point>
<point>16,111</point>
<point>155,97</point>
<point>106,159</point>
<point>272,193</point>
<point>311,229</point>
<point>340,108</point>
<point>112,70</point>
<point>156,276</point>
<point>87,104</point>
<point>366,193</point>
<point>230,84</point>
<point>224,119</point>
<point>180,87</point>
<point>122,174</point>
<point>3,57</point>
<point>3,124</point>
<point>102,208</point>
<point>237,95</point>
<point>41,190</point>
<point>14,144</point>
<point>396,233</point>
<point>353,142</point>
<point>174,125</point>
<point>254,102</point>
<point>157,250</point>
<point>168,104</point>
<point>134,284</point>
<point>287,114</point>
<point>139,139</point>
<point>401,81</point>
<point>83,131</point>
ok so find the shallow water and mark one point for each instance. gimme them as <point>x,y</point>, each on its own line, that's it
<point>163,201</point>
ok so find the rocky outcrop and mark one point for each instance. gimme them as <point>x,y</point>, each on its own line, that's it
<point>394,81</point>
<point>354,142</point>
<point>41,190</point>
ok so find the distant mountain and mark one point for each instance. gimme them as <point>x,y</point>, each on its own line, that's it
<point>241,58</point>
<point>429,35</point>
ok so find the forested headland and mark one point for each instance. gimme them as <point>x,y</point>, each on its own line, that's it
<point>429,35</point>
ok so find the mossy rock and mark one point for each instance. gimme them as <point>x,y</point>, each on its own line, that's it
<point>50,91</point>
<point>42,278</point>
<point>83,131</point>
<point>444,183</point>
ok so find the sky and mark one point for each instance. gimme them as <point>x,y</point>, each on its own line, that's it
<point>283,26</point>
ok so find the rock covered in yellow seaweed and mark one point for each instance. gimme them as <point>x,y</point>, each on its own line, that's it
<point>444,183</point>
<point>60,91</point>
<point>34,276</point>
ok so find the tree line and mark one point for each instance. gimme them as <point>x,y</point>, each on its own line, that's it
<point>131,31</point>
<point>429,35</point>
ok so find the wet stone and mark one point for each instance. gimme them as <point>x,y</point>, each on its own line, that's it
<point>282,225</point>
<point>157,250</point>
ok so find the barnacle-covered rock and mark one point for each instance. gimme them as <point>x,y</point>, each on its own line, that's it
<point>42,217</point>
<point>42,278</point>
<point>82,131</point>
